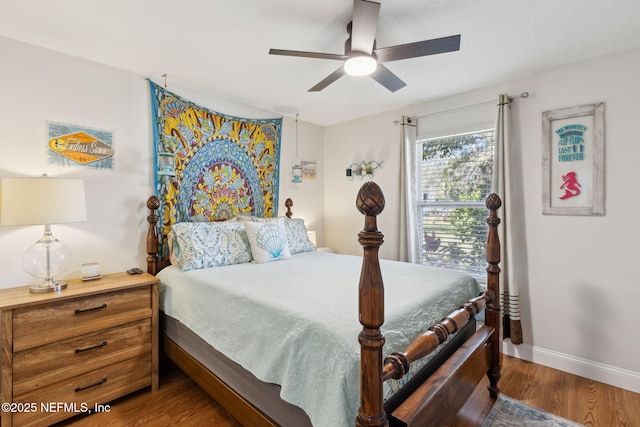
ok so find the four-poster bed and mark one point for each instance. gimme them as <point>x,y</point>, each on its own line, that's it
<point>467,354</point>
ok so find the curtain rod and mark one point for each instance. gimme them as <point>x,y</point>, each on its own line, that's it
<point>522,95</point>
<point>511,98</point>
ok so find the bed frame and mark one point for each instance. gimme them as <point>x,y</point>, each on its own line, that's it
<point>437,400</point>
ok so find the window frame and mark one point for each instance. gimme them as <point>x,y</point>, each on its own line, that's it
<point>422,204</point>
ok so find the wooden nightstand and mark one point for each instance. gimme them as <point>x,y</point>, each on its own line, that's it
<point>67,352</point>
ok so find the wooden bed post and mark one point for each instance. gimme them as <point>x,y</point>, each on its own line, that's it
<point>152,235</point>
<point>287,204</point>
<point>492,313</point>
<point>370,202</point>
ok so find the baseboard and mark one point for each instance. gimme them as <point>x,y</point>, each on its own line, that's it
<point>607,374</point>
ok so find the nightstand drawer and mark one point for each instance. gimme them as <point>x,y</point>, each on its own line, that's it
<point>38,325</point>
<point>84,391</point>
<point>64,352</point>
<point>41,366</point>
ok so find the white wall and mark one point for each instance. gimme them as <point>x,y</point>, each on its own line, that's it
<point>374,138</point>
<point>579,307</point>
<point>308,201</point>
<point>39,85</point>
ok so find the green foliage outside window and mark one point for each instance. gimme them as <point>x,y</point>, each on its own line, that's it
<point>456,172</point>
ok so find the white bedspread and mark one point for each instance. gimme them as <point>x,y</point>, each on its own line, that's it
<point>295,322</point>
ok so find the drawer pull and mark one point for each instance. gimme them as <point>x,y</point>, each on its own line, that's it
<point>102,381</point>
<point>100,307</point>
<point>80,350</point>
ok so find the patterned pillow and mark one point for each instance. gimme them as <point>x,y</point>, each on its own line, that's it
<point>209,244</point>
<point>297,236</point>
<point>253,218</point>
<point>171,238</point>
<point>268,240</point>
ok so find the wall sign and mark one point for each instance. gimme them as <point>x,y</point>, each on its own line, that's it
<point>75,145</point>
<point>309,170</point>
<point>572,161</point>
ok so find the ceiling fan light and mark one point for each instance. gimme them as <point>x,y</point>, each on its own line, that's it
<point>360,65</point>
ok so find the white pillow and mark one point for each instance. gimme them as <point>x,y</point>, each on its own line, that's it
<point>268,240</point>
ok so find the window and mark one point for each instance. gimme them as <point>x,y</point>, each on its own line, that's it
<point>455,176</point>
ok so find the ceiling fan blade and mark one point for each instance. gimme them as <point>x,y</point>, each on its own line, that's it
<point>363,25</point>
<point>414,50</point>
<point>307,54</point>
<point>328,80</point>
<point>387,79</point>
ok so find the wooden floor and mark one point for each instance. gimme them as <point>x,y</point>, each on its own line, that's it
<point>588,402</point>
<point>181,402</point>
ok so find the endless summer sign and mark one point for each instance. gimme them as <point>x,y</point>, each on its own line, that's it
<point>572,161</point>
<point>81,145</point>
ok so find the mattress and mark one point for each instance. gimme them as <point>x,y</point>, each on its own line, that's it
<point>294,323</point>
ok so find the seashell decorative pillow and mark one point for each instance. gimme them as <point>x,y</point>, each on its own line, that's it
<point>297,236</point>
<point>268,240</point>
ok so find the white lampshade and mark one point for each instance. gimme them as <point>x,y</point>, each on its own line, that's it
<point>43,201</point>
<point>29,201</point>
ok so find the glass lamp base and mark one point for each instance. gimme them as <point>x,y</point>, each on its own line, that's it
<point>48,287</point>
<point>46,259</point>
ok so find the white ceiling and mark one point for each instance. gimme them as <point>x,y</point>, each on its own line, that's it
<point>221,47</point>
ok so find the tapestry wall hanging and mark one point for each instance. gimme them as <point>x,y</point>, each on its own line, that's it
<point>210,166</point>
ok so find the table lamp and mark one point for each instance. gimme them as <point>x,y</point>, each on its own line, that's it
<point>44,201</point>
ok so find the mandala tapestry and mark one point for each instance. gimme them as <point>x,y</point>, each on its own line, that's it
<point>222,166</point>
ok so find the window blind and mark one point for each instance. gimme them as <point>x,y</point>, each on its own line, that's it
<point>455,176</point>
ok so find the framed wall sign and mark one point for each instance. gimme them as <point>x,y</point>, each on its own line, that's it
<point>309,170</point>
<point>79,145</point>
<point>573,161</point>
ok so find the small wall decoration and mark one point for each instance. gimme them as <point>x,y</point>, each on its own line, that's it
<point>77,145</point>
<point>572,161</point>
<point>309,170</point>
<point>362,169</point>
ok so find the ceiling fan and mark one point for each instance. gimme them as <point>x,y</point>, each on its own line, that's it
<point>361,55</point>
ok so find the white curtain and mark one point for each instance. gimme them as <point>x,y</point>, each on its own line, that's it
<point>506,183</point>
<point>407,244</point>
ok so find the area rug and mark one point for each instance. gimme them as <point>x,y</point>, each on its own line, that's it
<point>508,412</point>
